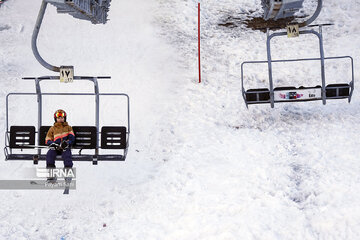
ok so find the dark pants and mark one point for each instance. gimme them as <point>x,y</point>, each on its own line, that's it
<point>51,156</point>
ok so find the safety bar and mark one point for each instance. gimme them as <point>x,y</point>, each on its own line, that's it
<point>67,94</point>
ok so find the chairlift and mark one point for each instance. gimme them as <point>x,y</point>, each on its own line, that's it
<point>91,138</point>
<point>277,94</point>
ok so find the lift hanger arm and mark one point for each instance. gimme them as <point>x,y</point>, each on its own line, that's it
<point>35,36</point>
<point>314,16</point>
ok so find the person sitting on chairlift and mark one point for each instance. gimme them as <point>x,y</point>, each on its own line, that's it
<point>59,138</point>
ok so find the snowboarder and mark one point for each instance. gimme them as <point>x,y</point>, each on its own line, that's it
<point>59,138</point>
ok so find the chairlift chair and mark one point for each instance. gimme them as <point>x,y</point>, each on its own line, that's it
<point>276,94</point>
<point>107,138</point>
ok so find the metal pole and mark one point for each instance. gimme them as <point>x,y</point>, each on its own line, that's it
<point>352,79</point>
<point>199,42</point>
<point>128,135</point>
<point>128,105</point>
<point>270,69</point>
<point>39,100</point>
<point>323,87</point>
<point>7,113</point>
<point>242,85</point>
<point>97,110</point>
<point>34,39</point>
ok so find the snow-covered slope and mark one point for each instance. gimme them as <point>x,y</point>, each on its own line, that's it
<point>200,165</point>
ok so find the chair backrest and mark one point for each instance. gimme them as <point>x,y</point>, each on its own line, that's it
<point>85,137</point>
<point>42,134</point>
<point>113,137</point>
<point>338,90</point>
<point>21,136</point>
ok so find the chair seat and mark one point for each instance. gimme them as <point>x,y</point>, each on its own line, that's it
<point>20,157</point>
<point>110,158</point>
<point>338,91</point>
<point>75,157</point>
<point>290,94</point>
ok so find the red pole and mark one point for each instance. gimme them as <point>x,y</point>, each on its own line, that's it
<point>199,41</point>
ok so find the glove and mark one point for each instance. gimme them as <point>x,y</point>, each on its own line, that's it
<point>54,146</point>
<point>64,145</point>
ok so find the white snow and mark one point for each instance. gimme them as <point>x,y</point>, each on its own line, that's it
<point>200,165</point>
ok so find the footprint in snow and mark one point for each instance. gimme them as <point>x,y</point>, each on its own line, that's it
<point>4,27</point>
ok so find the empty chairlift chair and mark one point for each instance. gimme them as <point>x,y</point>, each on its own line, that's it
<point>277,94</point>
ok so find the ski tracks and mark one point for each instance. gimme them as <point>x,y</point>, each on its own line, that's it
<point>293,155</point>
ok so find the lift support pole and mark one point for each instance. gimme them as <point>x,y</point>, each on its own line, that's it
<point>35,36</point>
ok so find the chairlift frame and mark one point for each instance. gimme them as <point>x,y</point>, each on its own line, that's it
<point>38,156</point>
<point>268,95</point>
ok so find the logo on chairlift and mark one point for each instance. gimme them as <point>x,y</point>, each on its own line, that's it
<point>291,95</point>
